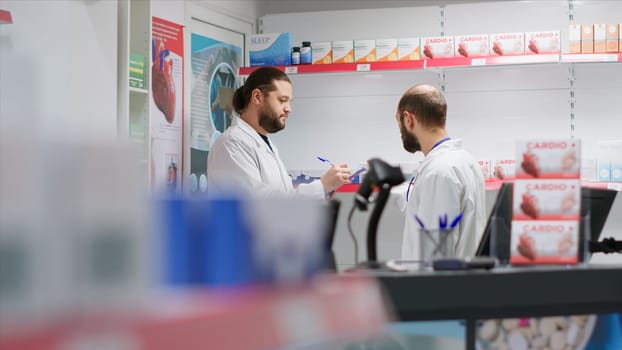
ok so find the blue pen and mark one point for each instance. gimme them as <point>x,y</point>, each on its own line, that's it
<point>455,222</point>
<point>324,160</point>
<point>420,222</point>
<point>442,222</point>
<point>356,173</point>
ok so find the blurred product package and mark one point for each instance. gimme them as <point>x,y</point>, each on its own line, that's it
<point>270,49</point>
<point>72,229</point>
<point>231,240</point>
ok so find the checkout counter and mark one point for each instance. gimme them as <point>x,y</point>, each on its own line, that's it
<point>474,295</point>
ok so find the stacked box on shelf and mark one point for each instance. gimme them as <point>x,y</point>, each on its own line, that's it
<point>365,51</point>
<point>574,38</point>
<point>507,44</point>
<point>546,203</point>
<point>386,50</point>
<point>613,34</point>
<point>610,161</point>
<point>542,42</point>
<point>343,51</point>
<point>587,38</point>
<point>321,52</point>
<point>472,45</point>
<point>600,38</point>
<point>408,49</point>
<point>437,46</point>
<point>504,169</point>
<point>270,49</point>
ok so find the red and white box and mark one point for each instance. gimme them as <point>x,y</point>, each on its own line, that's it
<point>472,45</point>
<point>546,200</point>
<point>504,169</point>
<point>548,159</point>
<point>544,242</point>
<point>542,42</point>
<point>485,167</point>
<point>437,46</point>
<point>506,44</point>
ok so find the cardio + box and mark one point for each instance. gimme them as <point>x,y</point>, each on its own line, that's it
<point>548,159</point>
<point>437,46</point>
<point>471,45</point>
<point>506,44</point>
<point>542,42</point>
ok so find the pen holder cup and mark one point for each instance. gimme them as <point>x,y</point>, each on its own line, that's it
<point>435,244</point>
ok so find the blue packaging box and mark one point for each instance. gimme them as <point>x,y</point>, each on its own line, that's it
<point>271,49</point>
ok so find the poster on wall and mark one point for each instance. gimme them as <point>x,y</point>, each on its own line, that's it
<point>215,67</point>
<point>166,104</point>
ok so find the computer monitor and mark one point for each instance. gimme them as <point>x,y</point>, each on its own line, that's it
<point>595,206</point>
<point>499,223</point>
<point>332,213</point>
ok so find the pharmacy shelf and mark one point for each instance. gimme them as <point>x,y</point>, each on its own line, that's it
<point>492,185</point>
<point>343,67</point>
<point>327,309</point>
<point>591,58</point>
<point>490,60</point>
<point>444,62</point>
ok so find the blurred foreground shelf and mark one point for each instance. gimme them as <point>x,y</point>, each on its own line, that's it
<point>326,309</point>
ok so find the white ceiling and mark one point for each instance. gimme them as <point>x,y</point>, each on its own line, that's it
<point>287,6</point>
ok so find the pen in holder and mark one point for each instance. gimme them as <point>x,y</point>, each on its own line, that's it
<point>435,244</point>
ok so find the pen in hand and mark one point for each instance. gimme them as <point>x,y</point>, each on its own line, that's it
<point>324,160</point>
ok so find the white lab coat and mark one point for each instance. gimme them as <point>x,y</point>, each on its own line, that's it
<point>241,161</point>
<point>449,181</point>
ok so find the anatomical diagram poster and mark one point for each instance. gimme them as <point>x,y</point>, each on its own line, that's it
<point>166,103</point>
<point>215,65</point>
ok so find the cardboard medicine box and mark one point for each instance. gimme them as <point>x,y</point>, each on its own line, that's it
<point>506,44</point>
<point>472,45</point>
<point>437,46</point>
<point>271,49</point>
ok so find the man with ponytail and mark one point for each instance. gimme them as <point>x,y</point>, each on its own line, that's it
<point>244,159</point>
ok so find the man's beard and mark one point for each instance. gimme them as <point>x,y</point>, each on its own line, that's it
<point>270,122</point>
<point>410,142</point>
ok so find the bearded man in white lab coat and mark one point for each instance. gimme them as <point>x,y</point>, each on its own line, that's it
<point>449,180</point>
<point>243,159</point>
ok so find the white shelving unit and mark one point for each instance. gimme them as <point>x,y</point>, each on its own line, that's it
<point>134,35</point>
<point>492,102</point>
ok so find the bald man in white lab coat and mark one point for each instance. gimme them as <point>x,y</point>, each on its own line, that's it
<point>244,159</point>
<point>449,180</point>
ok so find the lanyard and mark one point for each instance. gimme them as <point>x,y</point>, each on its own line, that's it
<point>439,142</point>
